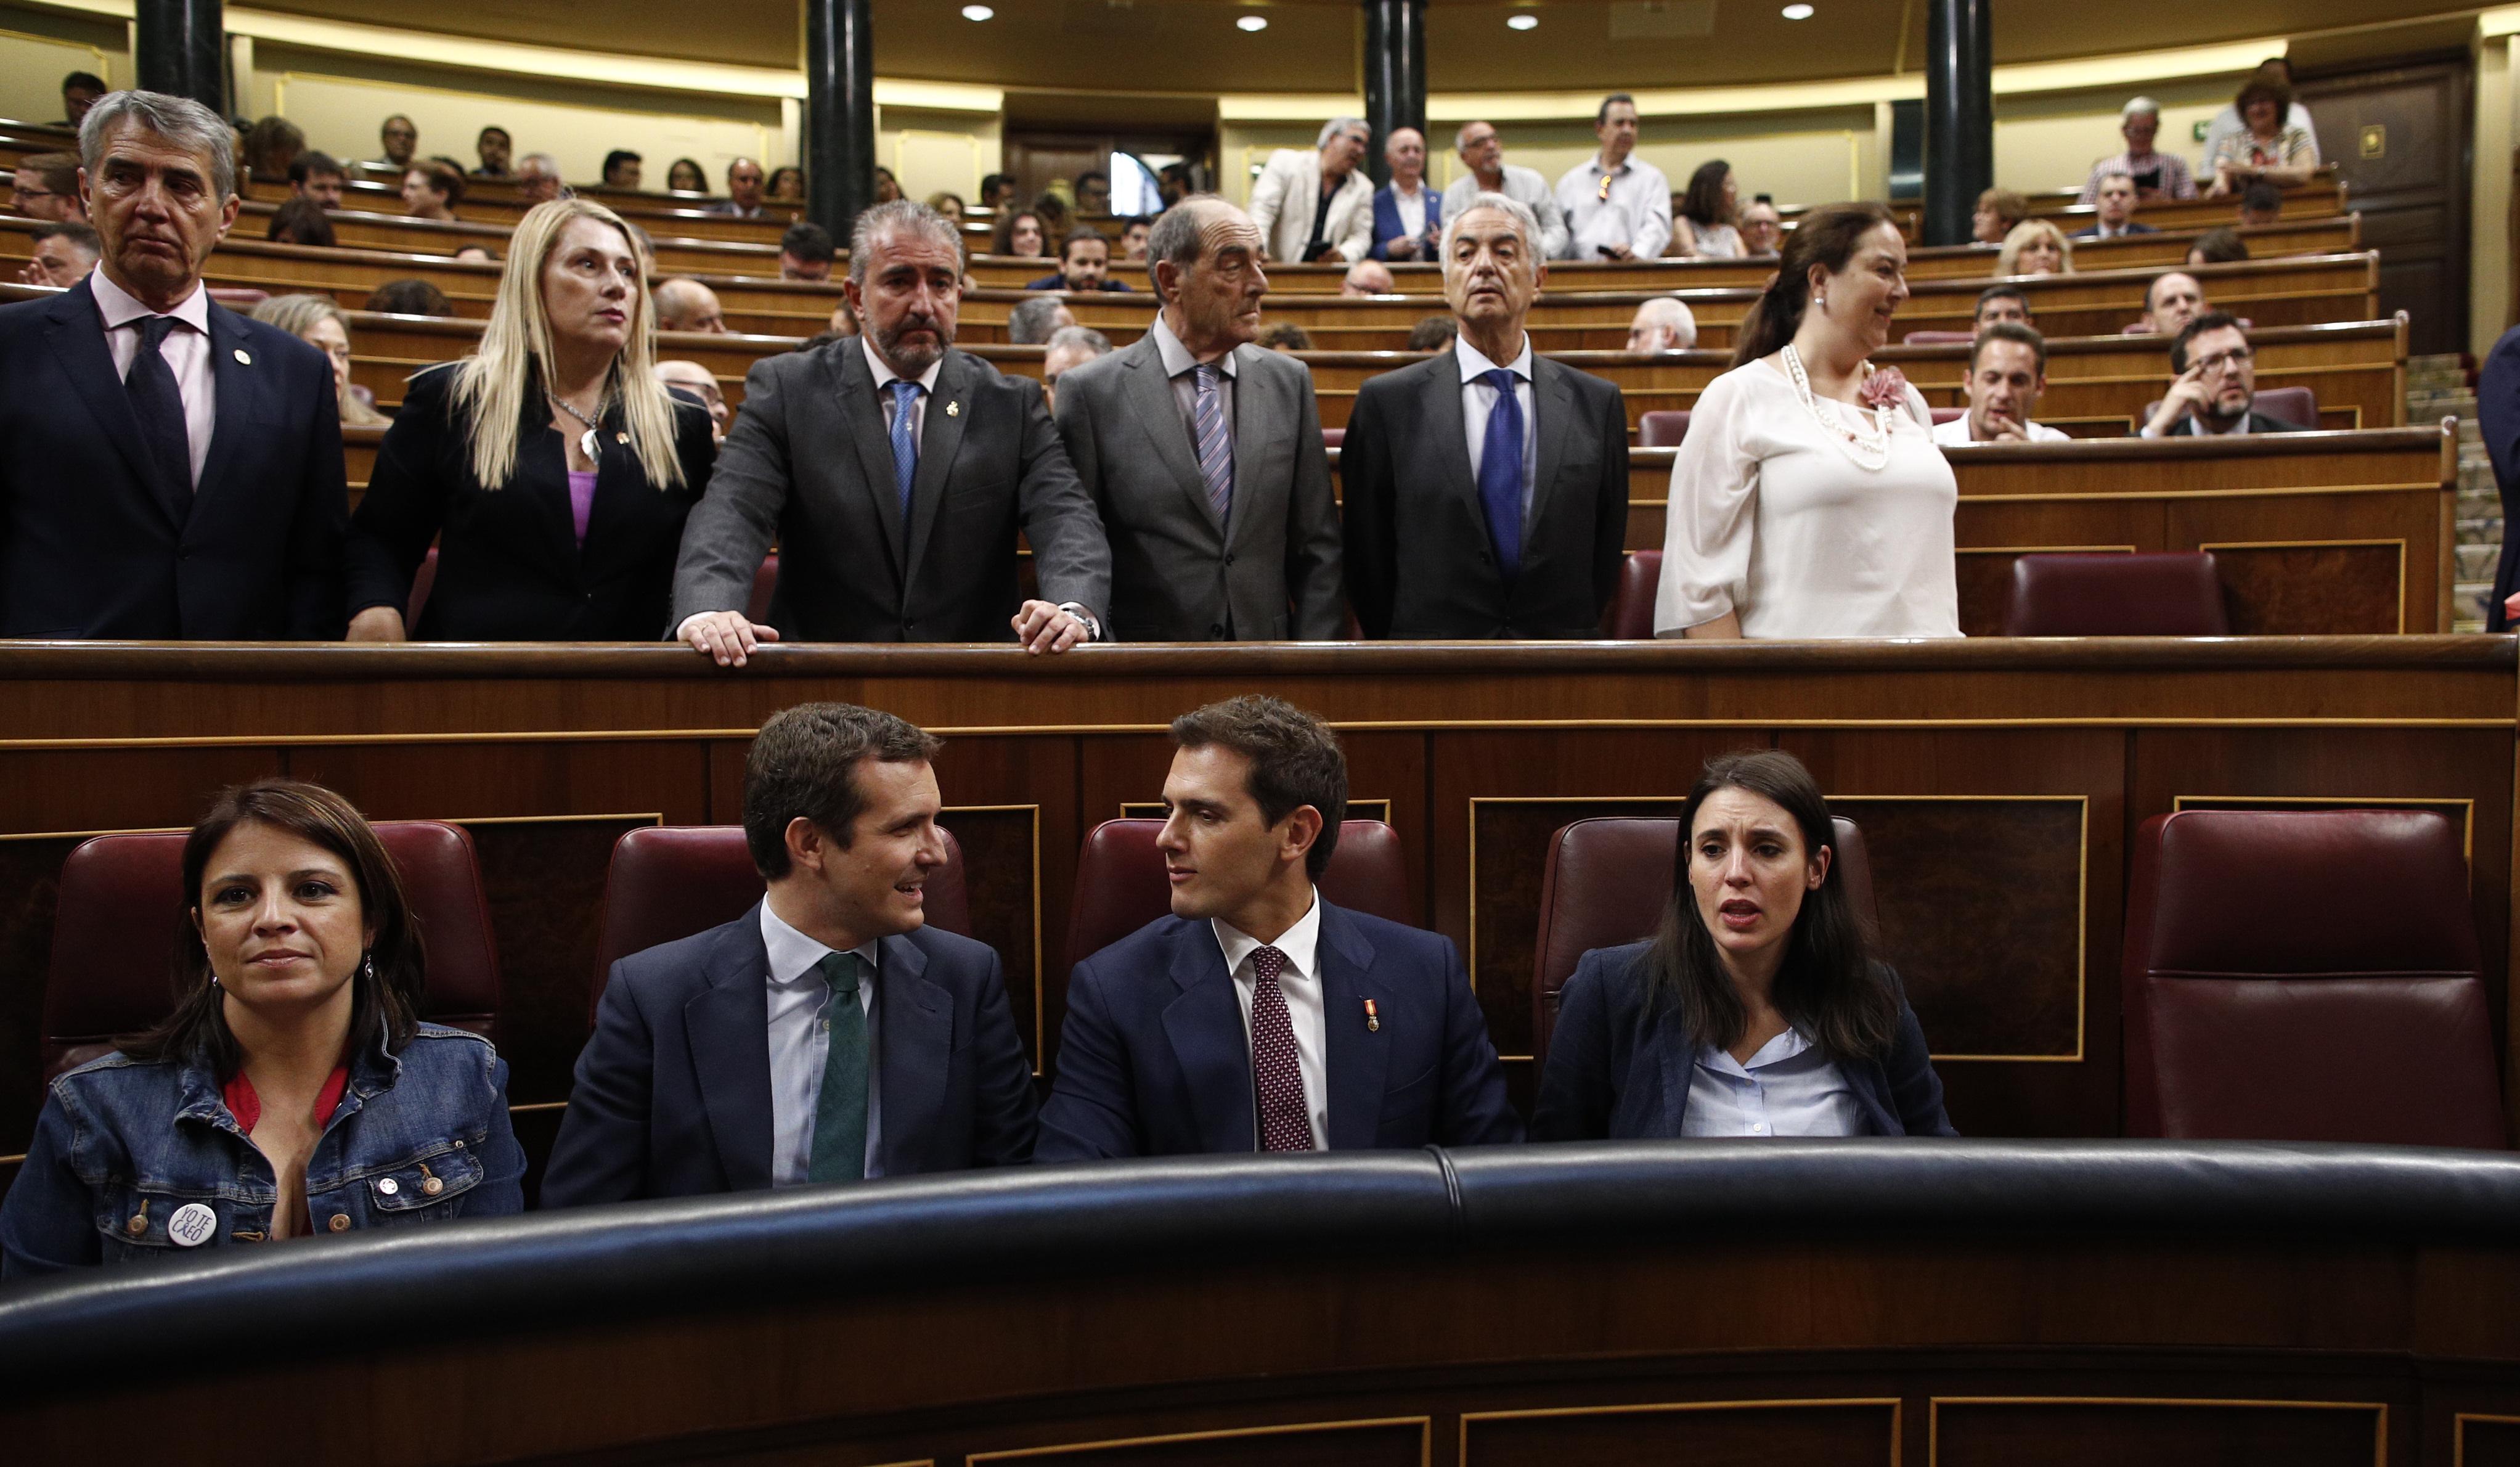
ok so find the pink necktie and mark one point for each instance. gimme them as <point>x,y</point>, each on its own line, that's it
<point>1276,1078</point>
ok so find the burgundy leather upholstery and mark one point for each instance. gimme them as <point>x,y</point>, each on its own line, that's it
<point>1944,415</point>
<point>1937,339</point>
<point>242,298</point>
<point>2305,976</point>
<point>1663,428</point>
<point>671,881</point>
<point>1120,882</point>
<point>1630,617</point>
<point>123,907</point>
<point>2159,595</point>
<point>1608,883</point>
<point>2298,406</point>
<point>1331,438</point>
<point>765,584</point>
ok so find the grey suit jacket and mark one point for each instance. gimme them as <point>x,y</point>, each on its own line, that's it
<point>1178,573</point>
<point>808,468</point>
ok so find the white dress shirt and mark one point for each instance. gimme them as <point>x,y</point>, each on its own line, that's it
<point>187,352</point>
<point>1412,207</point>
<point>1636,211</point>
<point>800,1042</point>
<point>1479,400</point>
<point>1301,982</point>
<point>885,377</point>
<point>1178,369</point>
<point>1524,186</point>
<point>1787,1090</point>
<point>1957,431</point>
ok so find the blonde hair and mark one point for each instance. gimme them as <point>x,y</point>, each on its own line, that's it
<point>492,384</point>
<point>2008,259</point>
<point>298,315</point>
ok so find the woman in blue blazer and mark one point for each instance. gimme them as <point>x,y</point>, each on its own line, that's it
<point>1757,1010</point>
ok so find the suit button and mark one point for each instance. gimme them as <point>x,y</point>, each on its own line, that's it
<point>1216,630</point>
<point>1229,563</point>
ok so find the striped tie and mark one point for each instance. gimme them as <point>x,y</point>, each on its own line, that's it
<point>1215,444</point>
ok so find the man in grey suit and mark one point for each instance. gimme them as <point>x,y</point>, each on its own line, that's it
<point>1508,471</point>
<point>893,473</point>
<point>1203,453</point>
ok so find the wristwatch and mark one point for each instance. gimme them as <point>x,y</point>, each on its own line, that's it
<point>1093,626</point>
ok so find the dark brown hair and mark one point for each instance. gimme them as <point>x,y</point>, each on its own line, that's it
<point>2013,332</point>
<point>2262,87</point>
<point>2212,320</point>
<point>1829,238</point>
<point>1002,240</point>
<point>386,986</point>
<point>803,765</point>
<point>444,179</point>
<point>1827,986</point>
<point>2005,205</point>
<point>1295,761</point>
<point>1702,203</point>
<point>2221,247</point>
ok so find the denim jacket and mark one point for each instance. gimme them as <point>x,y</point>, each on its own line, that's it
<point>122,1145</point>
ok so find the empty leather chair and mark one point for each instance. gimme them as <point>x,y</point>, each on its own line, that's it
<point>2305,976</point>
<point>1630,617</point>
<point>1937,339</point>
<point>2165,595</point>
<point>1608,883</point>
<point>1120,884</point>
<point>1663,428</point>
<point>668,882</point>
<point>121,908</point>
<point>2298,406</point>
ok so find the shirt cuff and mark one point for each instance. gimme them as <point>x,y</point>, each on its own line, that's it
<point>1092,623</point>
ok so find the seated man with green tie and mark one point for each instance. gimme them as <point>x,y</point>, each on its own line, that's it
<point>827,1035</point>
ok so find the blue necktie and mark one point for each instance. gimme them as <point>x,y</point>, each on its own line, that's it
<point>1501,472</point>
<point>905,448</point>
<point>840,1107</point>
<point>159,406</point>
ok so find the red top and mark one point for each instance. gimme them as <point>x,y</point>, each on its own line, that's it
<point>243,1104</point>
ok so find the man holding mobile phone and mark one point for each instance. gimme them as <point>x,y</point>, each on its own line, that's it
<point>1617,205</point>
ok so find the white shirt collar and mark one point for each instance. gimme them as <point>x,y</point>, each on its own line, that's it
<point>1400,192</point>
<point>1776,1051</point>
<point>1625,163</point>
<point>884,376</point>
<point>1177,357</point>
<point>793,955</point>
<point>121,307</point>
<point>1475,362</point>
<point>1298,942</point>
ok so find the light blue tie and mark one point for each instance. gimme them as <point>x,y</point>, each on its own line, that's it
<point>1501,472</point>
<point>1215,444</point>
<point>904,446</point>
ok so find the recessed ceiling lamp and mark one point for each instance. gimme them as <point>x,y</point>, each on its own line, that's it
<point>1253,22</point>
<point>978,12</point>
<point>1522,21</point>
<point>1797,12</point>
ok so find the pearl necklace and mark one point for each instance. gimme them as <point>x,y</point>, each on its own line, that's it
<point>1867,442</point>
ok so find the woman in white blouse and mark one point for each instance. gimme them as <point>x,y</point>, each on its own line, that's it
<point>1809,499</point>
<point>1707,224</point>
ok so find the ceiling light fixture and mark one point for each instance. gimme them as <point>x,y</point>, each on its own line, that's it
<point>1253,22</point>
<point>978,12</point>
<point>1797,12</point>
<point>1521,22</point>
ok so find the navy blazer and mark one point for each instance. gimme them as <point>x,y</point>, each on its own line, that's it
<point>673,1091</point>
<point>1056,281</point>
<point>1619,1065</point>
<point>91,542</point>
<point>2092,231</point>
<point>1154,1060</point>
<point>1387,225</point>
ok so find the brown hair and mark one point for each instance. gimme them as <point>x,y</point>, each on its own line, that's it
<point>803,765</point>
<point>388,986</point>
<point>443,179</point>
<point>2013,332</point>
<point>1829,238</point>
<point>2005,205</point>
<point>1295,761</point>
<point>2263,87</point>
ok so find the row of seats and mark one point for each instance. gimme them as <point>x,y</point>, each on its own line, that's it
<point>2272,958</point>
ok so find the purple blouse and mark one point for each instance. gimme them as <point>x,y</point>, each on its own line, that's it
<point>581,500</point>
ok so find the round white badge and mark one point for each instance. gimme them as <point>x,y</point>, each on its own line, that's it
<point>192,1226</point>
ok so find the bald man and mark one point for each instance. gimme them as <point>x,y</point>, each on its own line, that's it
<point>700,383</point>
<point>686,304</point>
<point>1408,216</point>
<point>1368,277</point>
<point>1663,324</point>
<point>2172,301</point>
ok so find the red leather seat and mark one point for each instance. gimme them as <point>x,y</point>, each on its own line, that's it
<point>123,906</point>
<point>2165,595</point>
<point>670,881</point>
<point>2305,976</point>
<point>1937,339</point>
<point>1630,617</point>
<point>1663,428</point>
<point>765,584</point>
<point>2298,406</point>
<point>1331,438</point>
<point>1608,883</point>
<point>1944,415</point>
<point>1120,882</point>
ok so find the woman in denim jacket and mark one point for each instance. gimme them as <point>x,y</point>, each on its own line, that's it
<point>293,1090</point>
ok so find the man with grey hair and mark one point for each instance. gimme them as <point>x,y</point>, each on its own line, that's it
<point>1663,324</point>
<point>847,456</point>
<point>685,305</point>
<point>136,388</point>
<point>1204,452</point>
<point>1482,152</point>
<point>2156,175</point>
<point>1539,447</point>
<point>1070,347</point>
<point>538,179</point>
<point>1035,320</point>
<point>1319,204</point>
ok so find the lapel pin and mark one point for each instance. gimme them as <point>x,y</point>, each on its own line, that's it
<point>621,437</point>
<point>244,357</point>
<point>952,409</point>
<point>1372,1021</point>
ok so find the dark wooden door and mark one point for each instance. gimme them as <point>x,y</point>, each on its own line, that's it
<point>2398,134</point>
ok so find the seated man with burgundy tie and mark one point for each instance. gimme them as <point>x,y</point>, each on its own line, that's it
<point>1258,1016</point>
<point>825,1036</point>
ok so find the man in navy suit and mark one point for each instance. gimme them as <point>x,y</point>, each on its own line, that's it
<point>1408,216</point>
<point>174,469</point>
<point>1258,1016</point>
<point>825,1036</point>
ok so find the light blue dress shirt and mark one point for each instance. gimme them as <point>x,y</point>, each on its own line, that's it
<point>800,1042</point>
<point>1789,1089</point>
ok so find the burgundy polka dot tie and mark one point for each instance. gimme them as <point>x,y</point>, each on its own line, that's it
<point>1276,1078</point>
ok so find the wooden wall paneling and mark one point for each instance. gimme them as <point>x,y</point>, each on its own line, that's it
<point>1012,801</point>
<point>1398,1442</point>
<point>2172,1433</point>
<point>2479,1440</point>
<point>1703,1433</point>
<point>135,787</point>
<point>31,871</point>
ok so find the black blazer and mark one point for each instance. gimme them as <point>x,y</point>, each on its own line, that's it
<point>90,542</point>
<point>509,564</point>
<point>2258,423</point>
<point>1420,562</point>
<point>1619,1065</point>
<point>2498,416</point>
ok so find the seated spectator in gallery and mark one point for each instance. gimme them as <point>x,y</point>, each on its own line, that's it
<point>2261,205</point>
<point>431,191</point>
<point>947,203</point>
<point>300,221</point>
<point>298,980</point>
<point>80,90</point>
<point>1020,235</point>
<point>997,192</point>
<point>1084,265</point>
<point>806,253</point>
<point>398,142</point>
<point>2227,123</point>
<point>1133,239</point>
<point>2007,371</point>
<point>64,254</point>
<point>551,469</point>
<point>887,188</point>
<point>2268,149</point>
<point>1706,223</point>
<point>2115,210</point>
<point>317,176</point>
<point>2156,175</point>
<point>2217,387</point>
<point>538,178</point>
<point>743,198</point>
<point>1283,336</point>
<point>494,148</point>
<point>409,297</point>
<point>1057,218</point>
<point>319,322</point>
<point>2218,247</point>
<point>1763,229</point>
<point>1094,193</point>
<point>2035,247</point>
<point>1434,333</point>
<point>1408,216</point>
<point>700,383</point>
<point>271,146</point>
<point>1759,1010</point>
<point>482,252</point>
<point>786,184</point>
<point>2171,302</point>
<point>622,169</point>
<point>844,317</point>
<point>685,305</point>
<point>1174,182</point>
<point>46,188</point>
<point>1070,347</point>
<point>685,176</point>
<point>1997,211</point>
<point>2001,303</point>
<point>1663,324</point>
<point>1033,322</point>
<point>1368,277</point>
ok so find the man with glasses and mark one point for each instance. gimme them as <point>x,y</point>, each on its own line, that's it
<point>2217,384</point>
<point>47,189</point>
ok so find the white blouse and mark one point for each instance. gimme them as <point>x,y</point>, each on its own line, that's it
<point>1771,518</point>
<point>1717,241</point>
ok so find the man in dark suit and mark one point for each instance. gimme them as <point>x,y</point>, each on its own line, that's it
<point>893,473</point>
<point>2216,390</point>
<point>1487,487</point>
<point>2114,205</point>
<point>1203,453</point>
<point>174,469</point>
<point>1258,1016</point>
<point>823,1035</point>
<point>1084,265</point>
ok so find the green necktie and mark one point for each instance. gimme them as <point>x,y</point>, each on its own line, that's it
<point>841,1111</point>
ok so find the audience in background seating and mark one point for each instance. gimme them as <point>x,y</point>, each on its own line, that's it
<point>1434,333</point>
<point>1020,235</point>
<point>844,317</point>
<point>80,90</point>
<point>1763,229</point>
<point>887,189</point>
<point>319,322</point>
<point>482,252</point>
<point>2007,373</point>
<point>1283,336</point>
<point>806,252</point>
<point>1408,216</point>
<point>431,191</point>
<point>1133,239</point>
<point>2035,247</point>
<point>1368,277</point>
<point>948,205</point>
<point>47,188</point>
<point>1759,1011</point>
<point>2001,303</point>
<point>399,142</point>
<point>1032,322</point>
<point>2217,385</point>
<point>1617,205</point>
<point>1482,153</point>
<point>1070,347</point>
<point>538,179</point>
<point>2268,149</point>
<point>1094,193</point>
<point>317,176</point>
<point>700,383</point>
<point>997,192</point>
<point>2218,247</point>
<point>2261,205</point>
<point>409,297</point>
<point>301,221</point>
<point>1663,324</point>
<point>271,146</point>
<point>743,191</point>
<point>1056,219</point>
<point>63,254</point>
<point>685,176</point>
<point>1706,225</point>
<point>494,147</point>
<point>622,169</point>
<point>685,305</point>
<point>1084,265</point>
<point>786,184</point>
<point>1999,211</point>
<point>1318,204</point>
<point>2171,302</point>
<point>2156,175</point>
<point>2229,123</point>
<point>2115,213</point>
